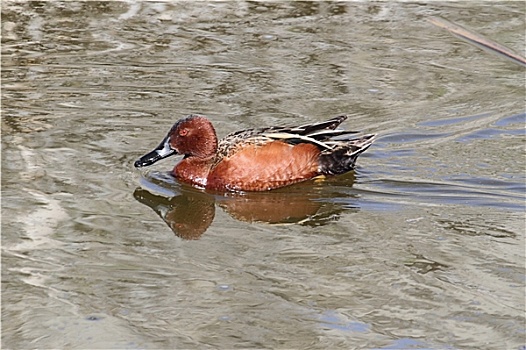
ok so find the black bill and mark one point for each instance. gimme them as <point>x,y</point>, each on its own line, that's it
<point>162,151</point>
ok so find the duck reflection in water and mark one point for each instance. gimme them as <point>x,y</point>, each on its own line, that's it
<point>189,212</point>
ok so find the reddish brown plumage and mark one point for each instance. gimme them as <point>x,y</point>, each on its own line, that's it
<point>257,159</point>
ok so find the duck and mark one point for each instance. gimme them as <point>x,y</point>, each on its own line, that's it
<point>259,159</point>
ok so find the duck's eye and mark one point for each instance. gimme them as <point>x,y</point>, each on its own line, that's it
<point>183,132</point>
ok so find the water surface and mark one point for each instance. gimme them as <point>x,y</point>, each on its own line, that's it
<point>421,247</point>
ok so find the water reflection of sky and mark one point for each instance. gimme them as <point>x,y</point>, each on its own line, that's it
<point>333,320</point>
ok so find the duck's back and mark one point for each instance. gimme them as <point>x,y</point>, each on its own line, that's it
<point>291,134</point>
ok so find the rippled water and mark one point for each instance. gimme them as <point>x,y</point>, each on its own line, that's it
<point>421,247</point>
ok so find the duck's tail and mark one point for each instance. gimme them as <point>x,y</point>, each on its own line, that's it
<point>342,157</point>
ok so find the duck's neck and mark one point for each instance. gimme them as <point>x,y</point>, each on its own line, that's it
<point>193,170</point>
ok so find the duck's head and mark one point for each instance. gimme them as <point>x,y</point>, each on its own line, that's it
<point>193,136</point>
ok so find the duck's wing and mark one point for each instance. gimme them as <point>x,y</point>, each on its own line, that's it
<point>324,134</point>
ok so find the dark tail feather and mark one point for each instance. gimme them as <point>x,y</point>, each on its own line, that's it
<point>342,158</point>
<point>315,129</point>
<point>330,124</point>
